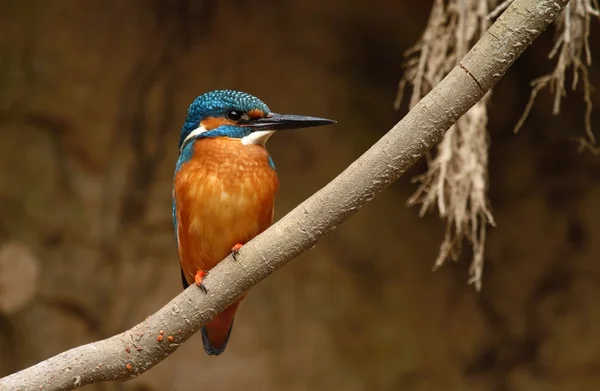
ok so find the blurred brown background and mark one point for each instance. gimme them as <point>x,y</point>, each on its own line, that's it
<point>92,97</point>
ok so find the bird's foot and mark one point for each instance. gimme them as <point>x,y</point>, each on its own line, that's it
<point>235,251</point>
<point>200,274</point>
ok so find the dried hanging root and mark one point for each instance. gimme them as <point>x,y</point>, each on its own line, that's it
<point>456,181</point>
<point>572,51</point>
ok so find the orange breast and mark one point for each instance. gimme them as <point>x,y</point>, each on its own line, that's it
<point>224,195</point>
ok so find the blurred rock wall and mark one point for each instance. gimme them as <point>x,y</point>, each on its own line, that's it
<point>92,97</point>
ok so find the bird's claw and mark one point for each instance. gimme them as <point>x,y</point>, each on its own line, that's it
<point>200,274</point>
<point>235,250</point>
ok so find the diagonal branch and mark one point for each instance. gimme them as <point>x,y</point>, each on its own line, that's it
<point>134,351</point>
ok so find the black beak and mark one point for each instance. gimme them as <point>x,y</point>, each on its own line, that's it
<point>287,121</point>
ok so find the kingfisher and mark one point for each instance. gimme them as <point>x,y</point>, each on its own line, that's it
<point>224,188</point>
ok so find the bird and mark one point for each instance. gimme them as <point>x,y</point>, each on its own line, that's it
<point>224,188</point>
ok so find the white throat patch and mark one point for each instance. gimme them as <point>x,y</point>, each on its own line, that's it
<point>258,137</point>
<point>199,130</point>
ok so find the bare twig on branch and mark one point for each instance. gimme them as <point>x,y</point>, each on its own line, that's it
<point>134,351</point>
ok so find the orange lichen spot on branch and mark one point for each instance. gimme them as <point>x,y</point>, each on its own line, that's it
<point>161,332</point>
<point>159,338</point>
<point>170,338</point>
<point>129,367</point>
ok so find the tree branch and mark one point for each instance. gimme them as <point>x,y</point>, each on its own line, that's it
<point>133,352</point>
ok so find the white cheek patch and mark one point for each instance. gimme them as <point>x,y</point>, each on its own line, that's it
<point>258,137</point>
<point>196,132</point>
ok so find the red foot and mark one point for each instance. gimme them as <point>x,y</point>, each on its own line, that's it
<point>200,274</point>
<point>235,250</point>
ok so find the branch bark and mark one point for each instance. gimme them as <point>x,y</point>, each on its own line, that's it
<point>127,355</point>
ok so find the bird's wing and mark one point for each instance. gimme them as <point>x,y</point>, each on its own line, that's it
<point>176,227</point>
<point>183,280</point>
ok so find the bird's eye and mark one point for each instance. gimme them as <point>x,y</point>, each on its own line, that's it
<point>234,115</point>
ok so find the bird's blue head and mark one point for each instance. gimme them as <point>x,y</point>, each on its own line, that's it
<point>234,114</point>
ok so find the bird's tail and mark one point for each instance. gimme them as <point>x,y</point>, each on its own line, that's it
<point>215,334</point>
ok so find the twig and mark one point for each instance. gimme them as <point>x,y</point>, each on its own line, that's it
<point>133,352</point>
